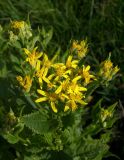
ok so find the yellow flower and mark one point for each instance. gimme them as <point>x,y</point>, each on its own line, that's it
<point>66,108</point>
<point>17,24</point>
<point>50,97</point>
<point>81,48</point>
<point>74,92</point>
<point>115,70</point>
<point>74,88</point>
<point>70,63</point>
<point>33,56</point>
<point>41,74</point>
<point>20,80</point>
<point>86,75</point>
<point>73,100</point>
<point>25,82</point>
<point>105,114</point>
<point>63,86</point>
<point>107,70</point>
<point>108,65</point>
<point>42,70</point>
<point>60,71</point>
<point>46,62</point>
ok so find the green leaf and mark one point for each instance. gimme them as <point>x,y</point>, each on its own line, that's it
<point>48,37</point>
<point>32,157</point>
<point>95,110</point>
<point>3,69</point>
<point>92,149</point>
<point>11,138</point>
<point>112,107</point>
<point>34,41</point>
<point>37,122</point>
<point>14,58</point>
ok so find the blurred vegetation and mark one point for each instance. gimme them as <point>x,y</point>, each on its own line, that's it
<point>101,22</point>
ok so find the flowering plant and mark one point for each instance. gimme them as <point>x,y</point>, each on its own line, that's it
<point>54,116</point>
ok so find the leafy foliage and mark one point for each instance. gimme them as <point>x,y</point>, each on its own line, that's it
<point>37,122</point>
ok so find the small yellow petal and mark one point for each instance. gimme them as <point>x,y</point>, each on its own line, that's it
<point>87,68</point>
<point>27,51</point>
<point>40,80</point>
<point>59,89</point>
<point>76,79</point>
<point>51,76</point>
<point>81,102</point>
<point>41,99</point>
<point>66,108</point>
<point>34,50</point>
<point>53,107</point>
<point>39,54</point>
<point>46,80</point>
<point>82,89</point>
<point>41,92</point>
<point>68,71</point>
<point>38,65</point>
<point>45,71</point>
<point>57,78</point>
<point>65,96</point>
<point>73,105</point>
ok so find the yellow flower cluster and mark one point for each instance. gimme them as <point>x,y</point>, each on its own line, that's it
<point>107,70</point>
<point>62,85</point>
<point>20,30</point>
<point>80,47</point>
<point>25,82</point>
<point>17,24</point>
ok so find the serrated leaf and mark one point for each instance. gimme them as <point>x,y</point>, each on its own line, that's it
<point>48,138</point>
<point>37,122</point>
<point>92,149</point>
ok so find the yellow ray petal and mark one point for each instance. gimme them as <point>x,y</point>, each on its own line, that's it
<point>66,108</point>
<point>82,89</point>
<point>39,54</point>
<point>38,65</point>
<point>41,99</point>
<point>54,107</point>
<point>59,89</point>
<point>27,51</point>
<point>87,68</point>
<point>51,76</point>
<point>41,92</point>
<point>81,102</point>
<point>76,79</point>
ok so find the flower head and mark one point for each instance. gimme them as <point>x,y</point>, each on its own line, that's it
<point>25,82</point>
<point>61,71</point>
<point>42,69</point>
<point>17,24</point>
<point>50,97</point>
<point>32,57</point>
<point>105,114</point>
<point>107,71</point>
<point>80,47</point>
<point>71,93</point>
<point>71,63</point>
<point>85,73</point>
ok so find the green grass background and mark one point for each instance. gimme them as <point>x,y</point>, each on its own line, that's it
<point>101,21</point>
